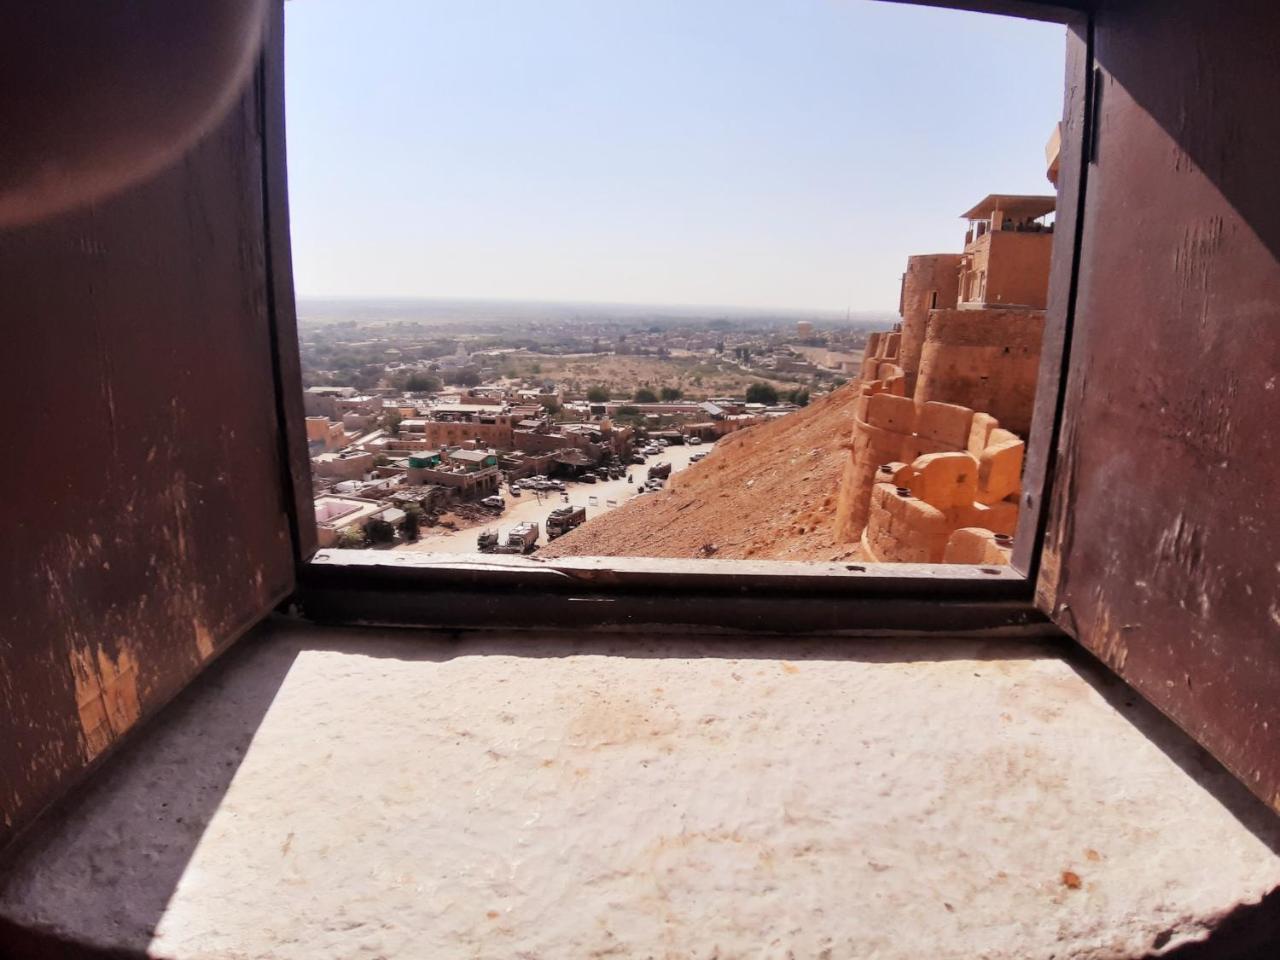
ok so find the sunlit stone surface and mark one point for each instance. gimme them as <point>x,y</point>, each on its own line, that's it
<point>346,794</point>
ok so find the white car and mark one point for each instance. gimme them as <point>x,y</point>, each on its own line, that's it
<point>694,441</point>
<point>494,503</point>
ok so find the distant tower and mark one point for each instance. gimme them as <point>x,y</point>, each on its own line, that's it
<point>804,329</point>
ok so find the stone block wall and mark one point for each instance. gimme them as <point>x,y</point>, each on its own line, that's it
<point>919,472</point>
<point>932,282</point>
<point>941,509</point>
<point>988,360</point>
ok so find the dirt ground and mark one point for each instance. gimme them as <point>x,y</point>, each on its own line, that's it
<point>765,493</point>
<point>696,376</point>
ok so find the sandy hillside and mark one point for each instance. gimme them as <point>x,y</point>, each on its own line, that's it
<point>767,493</point>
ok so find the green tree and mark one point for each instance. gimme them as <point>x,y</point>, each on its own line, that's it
<point>379,531</point>
<point>644,395</point>
<point>410,524</point>
<point>671,393</point>
<point>465,378</point>
<point>351,538</point>
<point>799,396</point>
<point>598,394</point>
<point>628,411</point>
<point>761,392</point>
<point>422,383</point>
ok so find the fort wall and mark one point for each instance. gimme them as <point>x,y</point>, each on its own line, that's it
<point>931,282</point>
<point>987,359</point>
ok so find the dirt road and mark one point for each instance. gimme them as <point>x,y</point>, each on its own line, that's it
<point>598,498</point>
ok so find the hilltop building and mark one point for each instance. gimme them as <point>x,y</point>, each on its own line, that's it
<point>939,428</point>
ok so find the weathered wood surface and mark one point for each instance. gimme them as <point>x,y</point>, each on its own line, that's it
<point>1163,549</point>
<point>145,522</point>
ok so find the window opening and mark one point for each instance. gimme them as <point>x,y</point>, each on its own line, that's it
<point>447,415</point>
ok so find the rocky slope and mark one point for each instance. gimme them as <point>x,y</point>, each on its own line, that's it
<point>765,493</point>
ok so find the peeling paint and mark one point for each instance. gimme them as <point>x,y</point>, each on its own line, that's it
<point>106,695</point>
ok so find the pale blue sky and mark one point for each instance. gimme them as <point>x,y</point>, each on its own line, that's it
<point>762,153</point>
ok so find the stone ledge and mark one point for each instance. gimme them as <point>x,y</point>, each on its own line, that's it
<point>339,793</point>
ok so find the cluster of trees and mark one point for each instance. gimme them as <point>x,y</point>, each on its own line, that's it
<point>466,377</point>
<point>378,532</point>
<point>419,382</point>
<point>761,392</point>
<point>666,394</point>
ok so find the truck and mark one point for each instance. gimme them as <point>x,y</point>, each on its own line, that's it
<point>660,470</point>
<point>522,538</point>
<point>563,519</point>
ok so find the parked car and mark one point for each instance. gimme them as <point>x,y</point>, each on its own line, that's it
<point>698,456</point>
<point>494,503</point>
<point>694,441</point>
<point>556,485</point>
<point>637,458</point>
<point>515,489</point>
<point>588,478</point>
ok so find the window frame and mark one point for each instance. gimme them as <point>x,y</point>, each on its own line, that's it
<point>350,586</point>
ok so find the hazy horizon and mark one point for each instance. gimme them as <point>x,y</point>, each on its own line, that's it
<point>708,154</point>
<point>481,309</point>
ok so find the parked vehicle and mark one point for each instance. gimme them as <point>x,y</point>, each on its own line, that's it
<point>698,456</point>
<point>694,441</point>
<point>660,470</point>
<point>563,519</point>
<point>522,538</point>
<point>588,478</point>
<point>515,489</point>
<point>494,503</point>
<point>615,471</point>
<point>637,458</point>
<point>654,484</point>
<point>557,485</point>
<point>602,474</point>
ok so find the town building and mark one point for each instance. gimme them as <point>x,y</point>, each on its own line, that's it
<point>335,513</point>
<point>324,435</point>
<point>347,465</point>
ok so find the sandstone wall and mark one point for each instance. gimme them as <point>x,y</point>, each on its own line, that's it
<point>926,275</point>
<point>987,360</point>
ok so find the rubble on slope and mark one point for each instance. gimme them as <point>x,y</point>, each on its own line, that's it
<point>766,493</point>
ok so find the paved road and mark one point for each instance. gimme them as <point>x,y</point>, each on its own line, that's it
<point>598,498</point>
